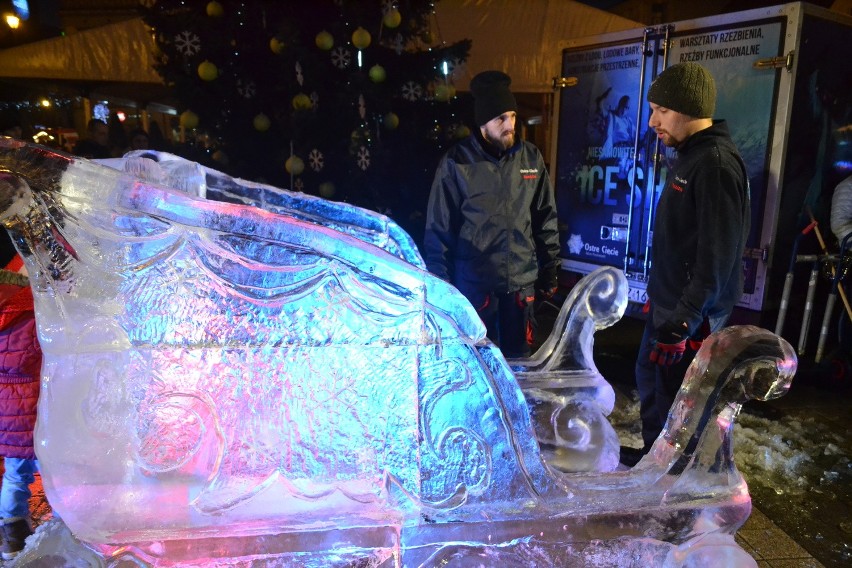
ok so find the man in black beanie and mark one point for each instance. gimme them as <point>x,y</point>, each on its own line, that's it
<point>700,229</point>
<point>491,223</point>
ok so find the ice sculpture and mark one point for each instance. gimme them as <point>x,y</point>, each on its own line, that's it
<point>231,384</point>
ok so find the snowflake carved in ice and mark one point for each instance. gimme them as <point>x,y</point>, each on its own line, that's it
<point>341,58</point>
<point>363,158</point>
<point>411,91</point>
<point>246,89</point>
<point>187,43</point>
<point>316,160</point>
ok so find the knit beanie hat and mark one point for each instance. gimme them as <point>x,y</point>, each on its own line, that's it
<point>491,96</point>
<point>687,88</point>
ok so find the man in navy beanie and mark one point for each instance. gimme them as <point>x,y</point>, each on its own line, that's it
<point>491,225</point>
<point>700,229</point>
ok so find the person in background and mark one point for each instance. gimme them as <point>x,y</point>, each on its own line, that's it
<point>10,125</point>
<point>491,227</point>
<point>841,226</point>
<point>96,143</point>
<point>20,375</point>
<point>841,211</point>
<point>138,139</point>
<point>700,229</point>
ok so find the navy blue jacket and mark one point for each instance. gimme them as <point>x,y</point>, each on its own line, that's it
<point>491,224</point>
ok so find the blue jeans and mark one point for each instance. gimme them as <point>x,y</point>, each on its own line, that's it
<point>658,385</point>
<point>15,492</point>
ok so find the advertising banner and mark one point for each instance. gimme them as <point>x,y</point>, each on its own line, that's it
<point>610,168</point>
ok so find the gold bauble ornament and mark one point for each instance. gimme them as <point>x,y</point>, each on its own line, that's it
<point>261,122</point>
<point>207,71</point>
<point>294,165</point>
<point>324,40</point>
<point>326,190</point>
<point>377,74</point>
<point>188,119</point>
<point>391,121</point>
<point>444,92</point>
<point>361,38</point>
<point>302,102</point>
<point>462,132</point>
<point>215,10</point>
<point>392,19</point>
<point>276,45</point>
<point>220,157</point>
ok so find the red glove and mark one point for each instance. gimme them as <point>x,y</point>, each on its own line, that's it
<point>698,338</point>
<point>669,344</point>
<point>547,294</point>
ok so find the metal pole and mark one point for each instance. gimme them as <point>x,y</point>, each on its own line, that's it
<point>636,146</point>
<point>656,161</point>
<point>809,308</point>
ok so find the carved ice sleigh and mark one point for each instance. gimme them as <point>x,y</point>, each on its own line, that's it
<point>279,382</point>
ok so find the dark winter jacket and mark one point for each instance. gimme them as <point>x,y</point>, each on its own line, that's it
<point>20,367</point>
<point>491,224</point>
<point>702,223</point>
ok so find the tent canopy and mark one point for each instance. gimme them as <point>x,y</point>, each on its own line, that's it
<point>116,59</point>
<point>520,38</point>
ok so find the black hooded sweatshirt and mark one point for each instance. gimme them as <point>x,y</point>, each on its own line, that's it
<point>702,223</point>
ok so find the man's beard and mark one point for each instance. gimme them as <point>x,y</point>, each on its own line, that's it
<point>504,142</point>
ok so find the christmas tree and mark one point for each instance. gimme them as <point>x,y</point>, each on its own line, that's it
<point>349,99</point>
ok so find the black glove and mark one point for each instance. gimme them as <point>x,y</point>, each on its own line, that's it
<point>546,285</point>
<point>669,344</point>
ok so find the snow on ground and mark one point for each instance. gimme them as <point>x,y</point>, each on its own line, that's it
<point>798,468</point>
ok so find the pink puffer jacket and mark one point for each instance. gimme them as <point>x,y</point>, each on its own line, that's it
<point>20,366</point>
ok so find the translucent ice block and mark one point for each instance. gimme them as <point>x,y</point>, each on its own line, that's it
<point>230,383</point>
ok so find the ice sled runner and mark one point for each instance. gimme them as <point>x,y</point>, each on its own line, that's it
<point>239,375</point>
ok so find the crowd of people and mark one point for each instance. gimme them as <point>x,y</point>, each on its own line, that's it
<point>99,140</point>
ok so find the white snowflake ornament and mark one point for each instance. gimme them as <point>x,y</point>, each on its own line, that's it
<point>340,57</point>
<point>363,158</point>
<point>187,43</point>
<point>246,89</point>
<point>316,160</point>
<point>299,185</point>
<point>398,44</point>
<point>411,91</point>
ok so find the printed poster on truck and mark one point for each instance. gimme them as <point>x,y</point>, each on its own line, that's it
<point>610,169</point>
